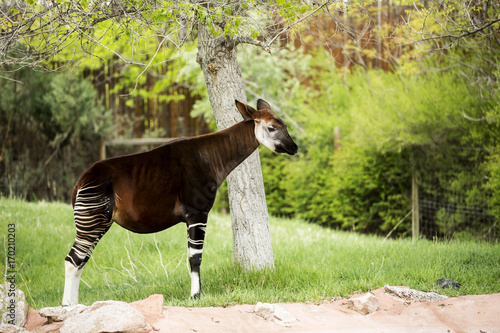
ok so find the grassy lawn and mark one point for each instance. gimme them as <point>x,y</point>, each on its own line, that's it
<point>311,263</point>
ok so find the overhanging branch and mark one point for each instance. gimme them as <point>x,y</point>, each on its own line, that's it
<point>233,42</point>
<point>59,26</point>
<point>285,29</point>
<point>465,34</point>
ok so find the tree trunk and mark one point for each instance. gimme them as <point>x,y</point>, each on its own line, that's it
<point>252,246</point>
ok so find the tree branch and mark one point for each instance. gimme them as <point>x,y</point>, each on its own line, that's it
<point>475,119</point>
<point>233,42</point>
<point>247,40</point>
<point>468,33</point>
<point>298,21</point>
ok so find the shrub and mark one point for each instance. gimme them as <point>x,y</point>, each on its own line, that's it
<point>50,126</point>
<point>390,124</point>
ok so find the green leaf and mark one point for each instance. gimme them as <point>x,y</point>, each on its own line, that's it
<point>218,12</point>
<point>202,15</point>
<point>212,28</point>
<point>237,22</point>
<point>255,34</point>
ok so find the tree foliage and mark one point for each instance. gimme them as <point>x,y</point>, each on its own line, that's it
<point>63,31</point>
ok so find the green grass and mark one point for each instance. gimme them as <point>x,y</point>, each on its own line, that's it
<point>311,263</point>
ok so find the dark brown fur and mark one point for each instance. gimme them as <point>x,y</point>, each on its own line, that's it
<point>157,189</point>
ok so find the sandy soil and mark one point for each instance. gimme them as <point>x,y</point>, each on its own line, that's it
<point>459,314</point>
<point>476,313</point>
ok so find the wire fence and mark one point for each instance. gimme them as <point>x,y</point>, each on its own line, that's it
<point>455,196</point>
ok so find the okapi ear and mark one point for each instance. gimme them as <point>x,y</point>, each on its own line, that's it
<point>263,105</point>
<point>246,111</point>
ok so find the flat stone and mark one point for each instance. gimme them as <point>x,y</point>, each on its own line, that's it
<point>61,313</point>
<point>35,321</point>
<point>365,304</point>
<point>412,295</point>
<point>107,316</point>
<point>151,307</point>
<point>274,313</point>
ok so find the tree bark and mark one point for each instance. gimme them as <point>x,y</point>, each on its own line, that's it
<point>252,246</point>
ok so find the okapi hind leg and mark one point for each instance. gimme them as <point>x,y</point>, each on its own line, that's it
<point>92,212</point>
<point>196,237</point>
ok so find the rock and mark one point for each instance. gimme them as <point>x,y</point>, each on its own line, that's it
<point>37,323</point>
<point>365,304</point>
<point>13,305</point>
<point>413,295</point>
<point>34,320</point>
<point>448,283</point>
<point>274,313</point>
<point>264,310</point>
<point>8,328</point>
<point>50,328</point>
<point>107,316</point>
<point>151,307</point>
<point>61,313</point>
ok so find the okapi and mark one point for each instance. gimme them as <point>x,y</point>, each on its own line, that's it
<point>177,182</point>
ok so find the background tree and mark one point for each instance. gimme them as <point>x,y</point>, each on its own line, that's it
<point>464,33</point>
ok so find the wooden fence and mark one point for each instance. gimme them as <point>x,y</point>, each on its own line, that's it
<point>130,142</point>
<point>147,114</point>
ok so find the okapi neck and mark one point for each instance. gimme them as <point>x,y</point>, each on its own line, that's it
<point>233,146</point>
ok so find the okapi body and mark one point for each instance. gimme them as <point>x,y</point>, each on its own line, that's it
<point>177,182</point>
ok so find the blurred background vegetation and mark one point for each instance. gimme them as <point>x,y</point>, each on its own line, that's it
<point>402,109</point>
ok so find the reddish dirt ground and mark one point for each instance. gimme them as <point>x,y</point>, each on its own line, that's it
<point>458,314</point>
<point>474,313</point>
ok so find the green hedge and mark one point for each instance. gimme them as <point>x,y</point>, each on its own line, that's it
<point>390,123</point>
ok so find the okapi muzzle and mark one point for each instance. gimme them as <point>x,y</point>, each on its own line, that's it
<point>287,146</point>
<point>177,182</point>
<point>270,130</point>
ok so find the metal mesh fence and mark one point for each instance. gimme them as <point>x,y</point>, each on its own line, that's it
<point>454,196</point>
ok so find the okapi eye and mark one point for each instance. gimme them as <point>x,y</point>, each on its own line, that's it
<point>271,129</point>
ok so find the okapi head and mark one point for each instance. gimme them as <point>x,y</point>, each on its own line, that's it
<point>269,130</point>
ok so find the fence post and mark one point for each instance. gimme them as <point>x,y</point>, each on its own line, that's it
<point>336,133</point>
<point>102,150</point>
<point>415,227</point>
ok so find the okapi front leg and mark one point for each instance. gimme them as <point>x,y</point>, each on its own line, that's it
<point>71,283</point>
<point>92,220</point>
<point>196,236</point>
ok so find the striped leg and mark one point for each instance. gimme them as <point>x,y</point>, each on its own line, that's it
<point>196,236</point>
<point>92,213</point>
